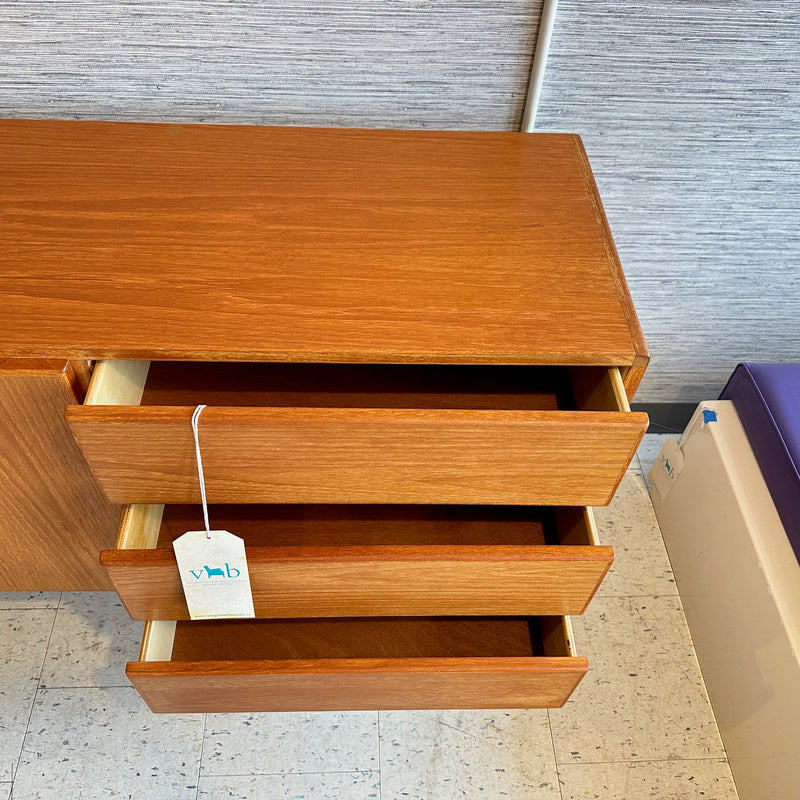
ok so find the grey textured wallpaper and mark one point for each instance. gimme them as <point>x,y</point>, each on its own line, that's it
<point>690,113</point>
<point>453,64</point>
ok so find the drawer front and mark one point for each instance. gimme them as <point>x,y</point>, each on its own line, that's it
<point>406,561</point>
<point>338,434</point>
<point>485,680</point>
<point>353,685</point>
<point>322,455</point>
<point>292,582</point>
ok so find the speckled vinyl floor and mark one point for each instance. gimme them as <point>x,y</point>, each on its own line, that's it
<point>638,726</point>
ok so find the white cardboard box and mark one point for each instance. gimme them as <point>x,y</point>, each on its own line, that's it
<point>739,582</point>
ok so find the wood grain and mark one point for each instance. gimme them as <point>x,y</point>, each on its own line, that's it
<point>358,664</point>
<point>117,383</point>
<point>276,244</point>
<point>596,389</point>
<point>634,372</point>
<point>158,638</point>
<point>82,371</point>
<point>355,684</point>
<point>302,562</point>
<point>354,637</point>
<point>321,455</point>
<point>171,383</point>
<point>332,582</point>
<point>54,520</point>
<point>140,527</point>
<point>365,525</point>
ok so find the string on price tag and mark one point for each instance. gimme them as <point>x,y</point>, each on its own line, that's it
<point>212,563</point>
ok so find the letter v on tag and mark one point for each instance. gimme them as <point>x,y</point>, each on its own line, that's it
<point>212,564</point>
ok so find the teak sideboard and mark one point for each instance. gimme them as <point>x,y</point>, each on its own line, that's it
<point>417,351</point>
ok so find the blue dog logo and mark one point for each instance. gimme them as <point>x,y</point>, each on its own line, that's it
<point>218,572</point>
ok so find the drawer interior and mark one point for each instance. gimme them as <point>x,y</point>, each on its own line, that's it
<point>433,386</point>
<point>373,560</point>
<point>418,453</point>
<point>350,525</point>
<point>366,637</point>
<point>342,663</point>
<point>331,525</point>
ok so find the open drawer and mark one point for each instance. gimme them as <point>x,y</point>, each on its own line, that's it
<point>340,433</point>
<point>367,560</point>
<point>358,663</point>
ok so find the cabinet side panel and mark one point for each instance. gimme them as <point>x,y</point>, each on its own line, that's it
<point>54,520</point>
<point>633,374</point>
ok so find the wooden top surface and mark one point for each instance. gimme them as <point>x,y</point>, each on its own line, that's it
<point>122,240</point>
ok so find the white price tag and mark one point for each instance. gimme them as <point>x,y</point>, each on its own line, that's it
<point>213,569</point>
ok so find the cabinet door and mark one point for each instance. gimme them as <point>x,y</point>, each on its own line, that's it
<point>54,520</point>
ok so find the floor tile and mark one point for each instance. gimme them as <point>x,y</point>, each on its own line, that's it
<point>319,786</point>
<point>24,634</point>
<point>659,780</point>
<point>92,640</point>
<point>641,565</point>
<point>643,698</point>
<point>98,743</point>
<point>264,744</point>
<point>29,599</point>
<point>457,754</point>
<point>5,790</point>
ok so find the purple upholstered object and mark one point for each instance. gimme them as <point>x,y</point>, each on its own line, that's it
<point>767,400</point>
